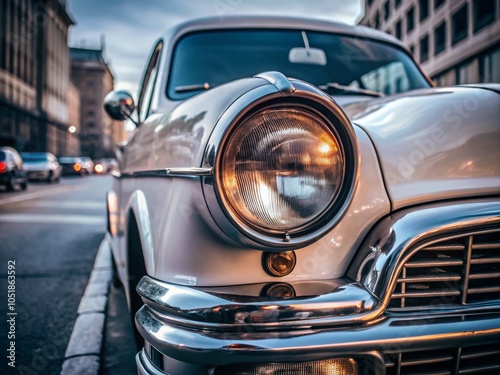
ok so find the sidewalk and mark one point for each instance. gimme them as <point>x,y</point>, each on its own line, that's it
<point>102,340</point>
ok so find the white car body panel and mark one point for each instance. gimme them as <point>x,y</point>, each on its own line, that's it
<point>185,250</point>
<point>435,144</point>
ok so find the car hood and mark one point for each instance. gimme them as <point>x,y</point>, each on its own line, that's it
<point>436,143</point>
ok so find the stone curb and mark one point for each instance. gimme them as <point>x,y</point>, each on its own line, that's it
<point>84,347</point>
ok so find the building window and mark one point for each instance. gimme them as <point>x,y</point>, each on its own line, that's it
<point>377,20</point>
<point>490,67</point>
<point>397,30</point>
<point>484,13</point>
<point>438,3</point>
<point>387,10</point>
<point>423,9</point>
<point>440,38</point>
<point>397,3</point>
<point>410,20</point>
<point>459,24</point>
<point>468,73</point>
<point>370,2</point>
<point>424,49</point>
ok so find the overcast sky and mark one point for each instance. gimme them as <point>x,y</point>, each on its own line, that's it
<point>131,26</point>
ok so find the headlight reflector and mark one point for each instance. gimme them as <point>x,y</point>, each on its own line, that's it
<point>281,169</point>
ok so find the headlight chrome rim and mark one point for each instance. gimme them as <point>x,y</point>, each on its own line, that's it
<point>308,99</point>
<point>228,199</point>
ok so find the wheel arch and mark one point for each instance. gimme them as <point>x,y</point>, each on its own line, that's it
<point>138,216</point>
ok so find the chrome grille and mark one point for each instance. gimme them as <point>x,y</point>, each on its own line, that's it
<point>483,360</point>
<point>457,271</point>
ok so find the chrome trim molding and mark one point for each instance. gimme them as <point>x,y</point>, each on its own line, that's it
<point>278,80</point>
<point>167,172</point>
<point>344,302</point>
<point>247,346</point>
<point>397,237</point>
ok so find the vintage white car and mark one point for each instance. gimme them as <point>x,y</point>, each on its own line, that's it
<point>299,199</point>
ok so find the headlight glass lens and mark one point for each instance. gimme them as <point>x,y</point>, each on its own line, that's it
<point>281,169</point>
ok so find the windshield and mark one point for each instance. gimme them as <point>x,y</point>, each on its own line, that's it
<point>34,158</point>
<point>69,160</point>
<point>216,57</point>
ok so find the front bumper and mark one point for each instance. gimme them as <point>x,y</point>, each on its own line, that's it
<point>38,174</point>
<point>194,330</point>
<point>281,332</point>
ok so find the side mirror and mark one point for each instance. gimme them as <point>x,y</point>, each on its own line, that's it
<point>119,105</point>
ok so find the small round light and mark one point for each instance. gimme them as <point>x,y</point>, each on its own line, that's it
<point>72,129</point>
<point>282,169</point>
<point>279,264</point>
<point>278,291</point>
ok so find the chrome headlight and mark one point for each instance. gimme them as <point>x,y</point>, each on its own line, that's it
<point>285,169</point>
<point>280,170</point>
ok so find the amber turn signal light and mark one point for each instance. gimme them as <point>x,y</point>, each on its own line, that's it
<point>279,264</point>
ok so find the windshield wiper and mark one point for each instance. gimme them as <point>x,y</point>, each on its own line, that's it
<point>336,87</point>
<point>189,88</point>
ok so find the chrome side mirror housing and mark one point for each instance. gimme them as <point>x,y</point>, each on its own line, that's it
<point>119,105</point>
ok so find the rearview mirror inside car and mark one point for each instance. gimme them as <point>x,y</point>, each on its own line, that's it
<point>313,56</point>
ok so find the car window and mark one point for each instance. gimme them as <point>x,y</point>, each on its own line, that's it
<point>388,79</point>
<point>33,158</point>
<point>3,157</point>
<point>216,57</point>
<point>68,160</point>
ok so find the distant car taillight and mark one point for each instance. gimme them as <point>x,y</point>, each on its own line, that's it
<point>77,167</point>
<point>3,166</point>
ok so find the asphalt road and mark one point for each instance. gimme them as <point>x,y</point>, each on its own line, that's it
<point>52,233</point>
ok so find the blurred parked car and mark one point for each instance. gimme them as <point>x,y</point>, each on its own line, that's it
<point>71,165</point>
<point>87,164</point>
<point>12,171</point>
<point>103,166</point>
<point>299,199</point>
<point>42,166</point>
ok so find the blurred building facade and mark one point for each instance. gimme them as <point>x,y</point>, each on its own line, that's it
<point>456,41</point>
<point>92,76</point>
<point>73,147</point>
<point>34,75</point>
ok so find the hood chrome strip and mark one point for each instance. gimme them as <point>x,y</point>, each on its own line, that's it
<point>167,172</point>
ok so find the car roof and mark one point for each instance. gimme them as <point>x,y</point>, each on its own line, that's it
<point>35,153</point>
<point>8,149</point>
<point>276,22</point>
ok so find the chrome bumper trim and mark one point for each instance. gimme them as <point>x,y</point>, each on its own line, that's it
<point>322,303</point>
<point>144,365</point>
<point>390,335</point>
